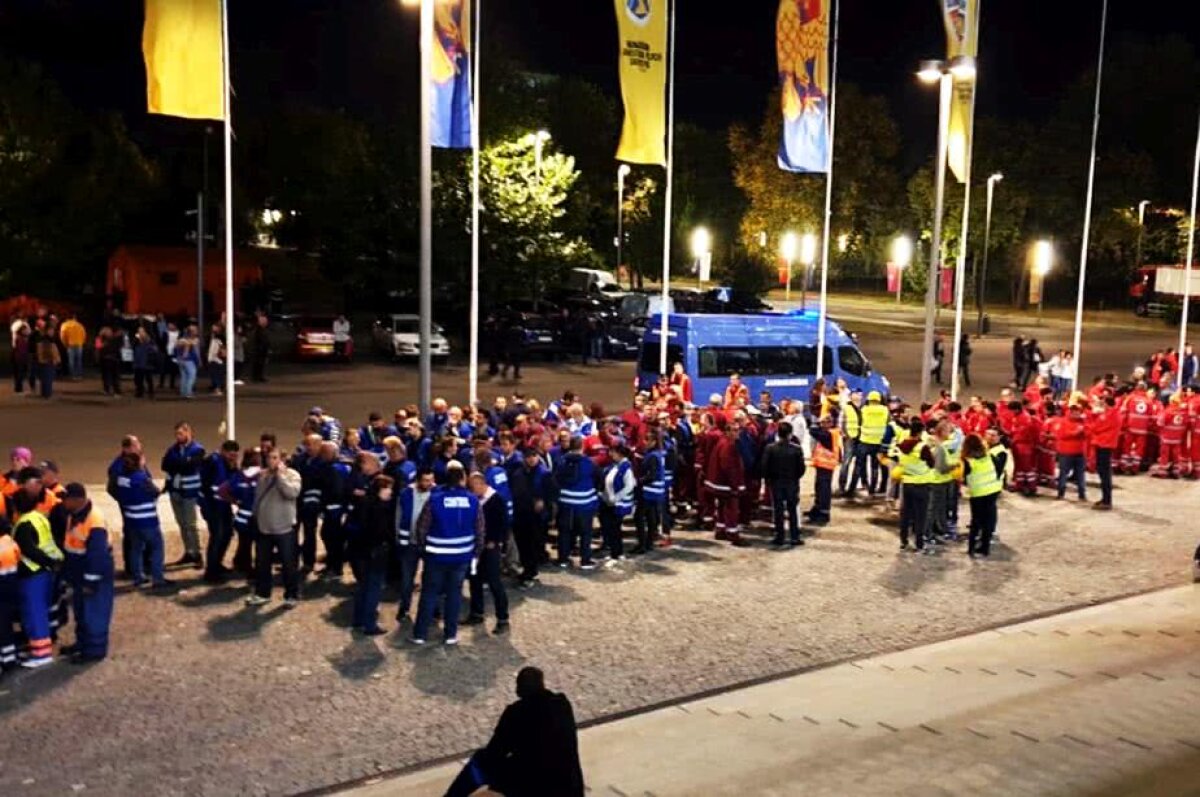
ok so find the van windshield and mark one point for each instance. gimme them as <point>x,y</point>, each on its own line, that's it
<point>650,351</point>
<point>721,361</point>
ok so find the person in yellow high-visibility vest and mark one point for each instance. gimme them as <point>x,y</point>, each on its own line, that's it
<point>874,417</point>
<point>981,475</point>
<point>916,474</point>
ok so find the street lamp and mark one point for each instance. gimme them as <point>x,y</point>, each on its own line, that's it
<point>701,247</point>
<point>1141,229</point>
<point>789,246</point>
<point>622,173</point>
<point>981,287</point>
<point>808,256</point>
<point>1043,260</point>
<point>539,141</point>
<point>943,73</point>
<point>902,253</point>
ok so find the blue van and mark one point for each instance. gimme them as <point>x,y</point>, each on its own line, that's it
<point>771,351</point>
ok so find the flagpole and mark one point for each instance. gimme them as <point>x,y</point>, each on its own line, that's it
<point>425,278</point>
<point>666,267</point>
<point>1187,269</point>
<point>824,309</point>
<point>1087,214</point>
<point>230,388</point>
<point>477,135</point>
<point>961,268</point>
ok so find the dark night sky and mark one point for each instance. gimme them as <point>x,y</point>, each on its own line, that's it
<point>358,54</point>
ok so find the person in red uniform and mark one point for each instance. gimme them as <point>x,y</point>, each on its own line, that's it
<point>1191,461</point>
<point>682,383</point>
<point>725,479</point>
<point>1172,426</point>
<point>1137,423</point>
<point>1103,433</point>
<point>633,421</point>
<point>1047,455</point>
<point>750,446</point>
<point>1026,431</point>
<point>737,395</point>
<point>714,426</point>
<point>1070,438</point>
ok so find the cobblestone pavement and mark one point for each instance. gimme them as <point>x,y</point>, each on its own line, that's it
<point>1100,701</point>
<point>202,696</point>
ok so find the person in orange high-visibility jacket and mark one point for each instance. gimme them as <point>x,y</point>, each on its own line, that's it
<point>826,456</point>
<point>10,595</point>
<point>89,571</point>
<point>1191,455</point>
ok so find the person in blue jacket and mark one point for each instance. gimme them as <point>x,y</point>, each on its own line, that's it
<point>181,465</point>
<point>410,502</point>
<point>307,462</point>
<point>616,501</point>
<point>217,468</point>
<point>239,492</point>
<point>89,571</point>
<point>575,476</point>
<point>137,496</point>
<point>450,533</point>
<point>653,496</point>
<point>530,484</point>
<point>333,476</point>
<point>397,465</point>
<point>374,435</point>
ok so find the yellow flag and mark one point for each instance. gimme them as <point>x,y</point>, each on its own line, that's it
<point>182,46</point>
<point>961,18</point>
<point>642,33</point>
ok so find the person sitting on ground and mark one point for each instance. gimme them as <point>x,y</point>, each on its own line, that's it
<point>534,751</point>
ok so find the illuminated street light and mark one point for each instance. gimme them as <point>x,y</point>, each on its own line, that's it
<point>1141,229</point>
<point>808,256</point>
<point>789,246</point>
<point>843,242</point>
<point>538,140</point>
<point>701,250</point>
<point>1043,261</point>
<point>962,67</point>
<point>902,254</point>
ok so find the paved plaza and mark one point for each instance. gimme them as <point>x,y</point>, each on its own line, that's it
<point>204,696</point>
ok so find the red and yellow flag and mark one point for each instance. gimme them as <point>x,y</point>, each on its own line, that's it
<point>182,45</point>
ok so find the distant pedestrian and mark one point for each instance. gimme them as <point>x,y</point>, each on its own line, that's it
<point>964,358</point>
<point>168,368</point>
<point>514,348</point>
<point>937,357</point>
<point>1019,362</point>
<point>534,751</point>
<point>22,357</point>
<point>145,363</point>
<point>341,337</point>
<point>110,343</point>
<point>48,360</point>
<point>216,360</point>
<point>187,357</point>
<point>73,337</point>
<point>260,348</point>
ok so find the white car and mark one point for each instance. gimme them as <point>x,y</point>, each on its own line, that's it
<point>398,337</point>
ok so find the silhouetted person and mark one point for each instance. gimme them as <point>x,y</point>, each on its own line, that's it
<point>534,751</point>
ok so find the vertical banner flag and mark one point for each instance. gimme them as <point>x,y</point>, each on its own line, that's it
<point>181,44</point>
<point>451,53</point>
<point>642,38</point>
<point>894,275</point>
<point>946,286</point>
<point>802,45</point>
<point>962,38</point>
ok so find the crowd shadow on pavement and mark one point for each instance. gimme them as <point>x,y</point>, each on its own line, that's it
<point>359,659</point>
<point>463,673</point>
<point>911,572</point>
<point>21,688</point>
<point>989,575</point>
<point>216,596</point>
<point>246,623</point>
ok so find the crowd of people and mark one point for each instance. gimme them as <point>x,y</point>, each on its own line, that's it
<point>470,494</point>
<point>155,351</point>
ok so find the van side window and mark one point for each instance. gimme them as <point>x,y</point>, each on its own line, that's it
<point>721,361</point>
<point>852,362</point>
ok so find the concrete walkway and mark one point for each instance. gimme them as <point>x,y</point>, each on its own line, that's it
<point>1102,701</point>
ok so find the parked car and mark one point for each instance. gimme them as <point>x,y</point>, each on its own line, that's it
<point>622,342</point>
<point>398,336</point>
<point>314,340</point>
<point>733,302</point>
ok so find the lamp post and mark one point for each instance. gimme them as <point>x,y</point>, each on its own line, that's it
<point>1137,261</point>
<point>808,256</point>
<point>1043,260</point>
<point>981,288</point>
<point>701,247</point>
<point>789,244</point>
<point>942,73</point>
<point>902,253</point>
<point>622,173</point>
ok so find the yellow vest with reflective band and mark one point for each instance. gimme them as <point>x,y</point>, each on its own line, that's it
<point>10,556</point>
<point>982,480</point>
<point>874,423</point>
<point>914,469</point>
<point>854,421</point>
<point>899,433</point>
<point>45,539</point>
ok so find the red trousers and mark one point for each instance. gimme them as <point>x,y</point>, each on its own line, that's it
<point>1168,460</point>
<point>727,508</point>
<point>1133,451</point>
<point>1047,466</point>
<point>1025,474</point>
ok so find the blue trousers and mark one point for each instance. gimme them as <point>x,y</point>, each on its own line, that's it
<point>36,592</point>
<point>1074,465</point>
<point>146,540</point>
<point>440,580</point>
<point>92,603</point>
<point>410,560</point>
<point>372,566</point>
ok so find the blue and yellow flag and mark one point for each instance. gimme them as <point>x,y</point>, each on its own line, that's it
<point>451,53</point>
<point>802,45</point>
<point>181,43</point>
<point>642,39</point>
<point>961,19</point>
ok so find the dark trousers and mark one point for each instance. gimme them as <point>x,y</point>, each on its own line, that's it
<point>610,531</point>
<point>647,519</point>
<point>822,495</point>
<point>110,377</point>
<point>285,546</point>
<point>309,520</point>
<point>575,524</point>
<point>983,524</point>
<point>913,509</point>
<point>512,359</point>
<point>1104,469</point>
<point>529,531</point>
<point>410,558</point>
<point>964,368</point>
<point>168,372</point>
<point>146,542</point>
<point>143,382</point>
<point>243,555</point>
<point>487,573</point>
<point>258,368</point>
<point>785,498</point>
<point>367,594</point>
<point>1074,466</point>
<point>440,580</point>
<point>866,467</point>
<point>46,375</point>
<point>19,372</point>
<point>218,516</point>
<point>334,537</point>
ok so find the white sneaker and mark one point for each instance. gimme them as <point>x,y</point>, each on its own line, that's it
<point>290,603</point>
<point>39,661</point>
<point>257,600</point>
<point>451,641</point>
